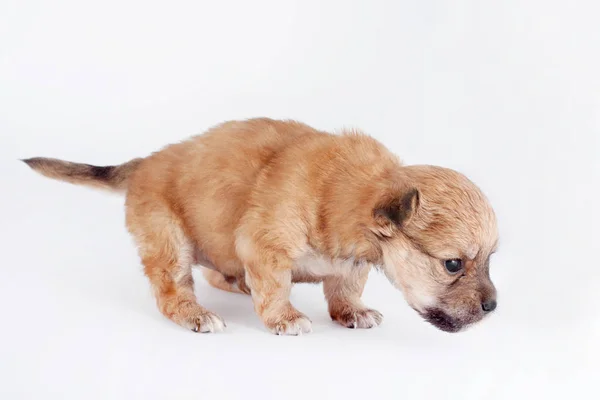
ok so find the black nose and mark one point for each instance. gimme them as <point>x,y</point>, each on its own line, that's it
<point>488,305</point>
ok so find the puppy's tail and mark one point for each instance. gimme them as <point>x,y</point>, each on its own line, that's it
<point>112,178</point>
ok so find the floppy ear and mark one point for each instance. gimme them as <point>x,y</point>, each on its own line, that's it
<point>399,209</point>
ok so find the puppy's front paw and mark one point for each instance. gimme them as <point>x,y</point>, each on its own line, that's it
<point>295,326</point>
<point>363,318</point>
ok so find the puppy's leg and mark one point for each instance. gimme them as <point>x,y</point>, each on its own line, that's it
<point>345,306</point>
<point>220,281</point>
<point>270,280</point>
<point>167,257</point>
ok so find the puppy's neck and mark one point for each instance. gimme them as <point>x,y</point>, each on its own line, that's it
<point>346,224</point>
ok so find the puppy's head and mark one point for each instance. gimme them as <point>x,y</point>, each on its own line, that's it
<point>437,233</point>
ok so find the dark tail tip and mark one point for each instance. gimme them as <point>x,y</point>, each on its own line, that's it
<point>32,162</point>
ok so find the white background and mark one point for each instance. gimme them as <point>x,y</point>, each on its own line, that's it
<point>507,92</point>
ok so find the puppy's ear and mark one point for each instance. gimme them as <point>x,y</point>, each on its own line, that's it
<point>398,209</point>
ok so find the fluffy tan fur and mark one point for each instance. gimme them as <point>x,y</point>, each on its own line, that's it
<point>263,204</point>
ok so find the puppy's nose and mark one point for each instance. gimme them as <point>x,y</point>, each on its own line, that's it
<point>489,305</point>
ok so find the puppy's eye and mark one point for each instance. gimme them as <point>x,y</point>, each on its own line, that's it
<point>453,266</point>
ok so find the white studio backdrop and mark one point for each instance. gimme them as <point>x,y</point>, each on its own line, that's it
<point>506,92</point>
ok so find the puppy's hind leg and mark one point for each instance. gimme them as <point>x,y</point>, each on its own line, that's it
<point>220,281</point>
<point>167,257</point>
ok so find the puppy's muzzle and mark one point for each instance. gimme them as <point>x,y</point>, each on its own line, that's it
<point>447,323</point>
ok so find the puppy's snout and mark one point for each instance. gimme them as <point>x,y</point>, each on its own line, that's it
<point>488,305</point>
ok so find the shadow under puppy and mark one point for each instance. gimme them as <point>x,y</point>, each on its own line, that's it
<point>263,204</point>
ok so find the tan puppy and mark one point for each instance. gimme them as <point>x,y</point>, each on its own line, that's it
<point>264,204</point>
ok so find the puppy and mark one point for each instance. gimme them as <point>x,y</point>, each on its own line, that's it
<point>263,204</point>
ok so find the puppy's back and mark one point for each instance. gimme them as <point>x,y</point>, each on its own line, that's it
<point>208,179</point>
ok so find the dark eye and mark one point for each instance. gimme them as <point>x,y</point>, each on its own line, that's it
<point>453,266</point>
